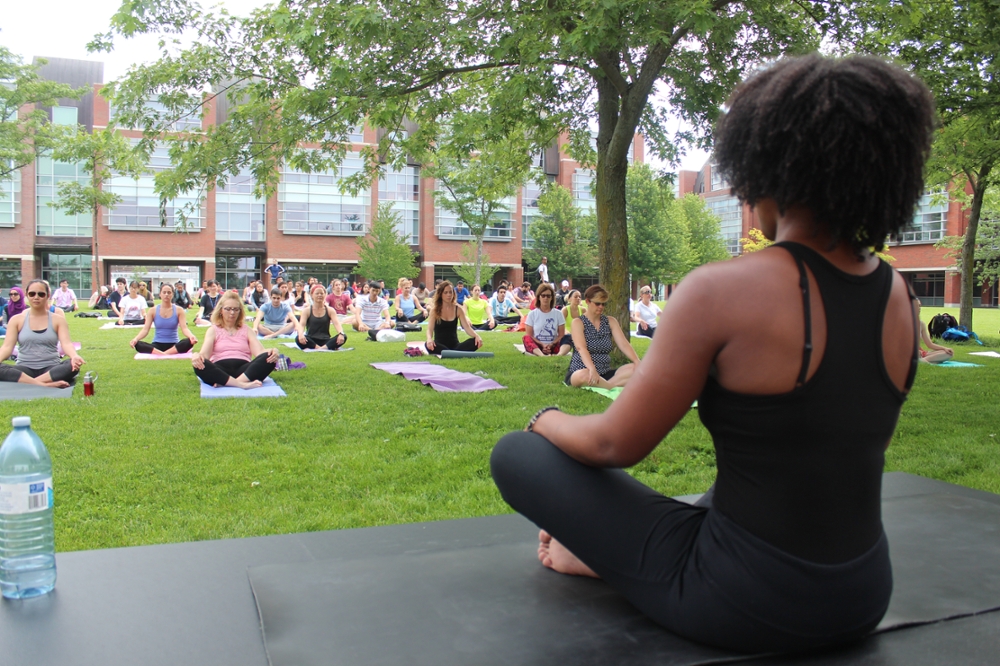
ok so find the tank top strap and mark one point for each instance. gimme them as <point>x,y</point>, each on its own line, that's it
<point>807,347</point>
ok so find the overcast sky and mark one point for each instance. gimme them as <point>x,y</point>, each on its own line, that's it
<point>62,29</point>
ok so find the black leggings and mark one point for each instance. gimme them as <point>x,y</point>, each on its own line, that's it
<point>415,319</point>
<point>690,568</point>
<point>467,345</point>
<point>220,372</point>
<point>183,346</point>
<point>332,344</point>
<point>60,372</point>
<point>509,319</point>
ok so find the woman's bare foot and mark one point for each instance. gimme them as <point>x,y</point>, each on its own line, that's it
<point>157,352</point>
<point>248,384</point>
<point>557,557</point>
<point>56,384</point>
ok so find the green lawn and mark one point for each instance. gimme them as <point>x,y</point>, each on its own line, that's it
<point>148,461</point>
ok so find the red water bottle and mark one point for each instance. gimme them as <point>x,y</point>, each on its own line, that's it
<point>88,384</point>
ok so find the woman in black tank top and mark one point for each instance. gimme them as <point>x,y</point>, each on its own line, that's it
<point>315,324</point>
<point>442,324</point>
<point>801,360</point>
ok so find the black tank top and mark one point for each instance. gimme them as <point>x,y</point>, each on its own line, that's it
<point>318,328</point>
<point>446,332</point>
<point>803,470</point>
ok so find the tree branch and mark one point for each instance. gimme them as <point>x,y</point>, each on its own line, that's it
<point>612,70</point>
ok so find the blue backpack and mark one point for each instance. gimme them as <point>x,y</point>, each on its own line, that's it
<point>959,334</point>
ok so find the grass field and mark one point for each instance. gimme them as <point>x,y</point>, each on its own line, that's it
<point>146,460</point>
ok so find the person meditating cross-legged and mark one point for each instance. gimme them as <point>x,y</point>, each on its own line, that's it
<point>801,397</point>
<point>478,310</point>
<point>275,318</point>
<point>545,328</point>
<point>315,322</point>
<point>168,318</point>
<point>594,336</point>
<point>442,325</point>
<point>38,334</point>
<point>231,355</point>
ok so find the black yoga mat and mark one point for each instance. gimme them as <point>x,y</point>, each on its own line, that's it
<point>451,353</point>
<point>494,604</point>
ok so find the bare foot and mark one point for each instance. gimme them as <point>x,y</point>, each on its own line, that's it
<point>250,385</point>
<point>157,352</point>
<point>56,384</point>
<point>557,557</point>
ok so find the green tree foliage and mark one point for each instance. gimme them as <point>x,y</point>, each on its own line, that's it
<point>704,233</point>
<point>658,246</point>
<point>310,71</point>
<point>101,154</point>
<point>385,254</point>
<point>475,265</point>
<point>473,185</point>
<point>952,46</point>
<point>24,133</point>
<point>563,235</point>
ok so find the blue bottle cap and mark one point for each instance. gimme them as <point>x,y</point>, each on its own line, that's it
<point>21,421</point>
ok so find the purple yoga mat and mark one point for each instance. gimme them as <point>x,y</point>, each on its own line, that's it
<point>439,377</point>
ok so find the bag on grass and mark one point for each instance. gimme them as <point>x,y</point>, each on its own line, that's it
<point>413,351</point>
<point>960,334</point>
<point>408,327</point>
<point>89,315</point>
<point>941,323</point>
<point>386,335</point>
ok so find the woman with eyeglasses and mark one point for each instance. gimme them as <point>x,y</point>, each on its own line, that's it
<point>646,313</point>
<point>315,322</point>
<point>38,336</point>
<point>168,319</point>
<point>594,336</point>
<point>544,327</point>
<point>231,355</point>
<point>801,397</point>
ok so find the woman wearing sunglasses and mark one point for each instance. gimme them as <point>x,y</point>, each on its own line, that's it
<point>38,334</point>
<point>231,354</point>
<point>594,336</point>
<point>800,382</point>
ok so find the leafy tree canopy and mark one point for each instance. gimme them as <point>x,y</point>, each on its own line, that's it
<point>563,235</point>
<point>304,71</point>
<point>658,244</point>
<point>384,254</point>
<point>25,133</point>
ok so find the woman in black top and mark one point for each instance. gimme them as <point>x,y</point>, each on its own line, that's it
<point>801,396</point>
<point>442,324</point>
<point>315,323</point>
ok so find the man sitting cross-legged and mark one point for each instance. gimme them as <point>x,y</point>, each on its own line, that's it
<point>275,318</point>
<point>504,309</point>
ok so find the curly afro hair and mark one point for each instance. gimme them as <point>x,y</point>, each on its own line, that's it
<point>845,138</point>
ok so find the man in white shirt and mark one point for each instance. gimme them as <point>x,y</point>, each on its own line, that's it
<point>543,270</point>
<point>372,310</point>
<point>64,297</point>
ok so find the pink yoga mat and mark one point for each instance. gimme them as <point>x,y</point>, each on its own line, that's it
<point>439,377</point>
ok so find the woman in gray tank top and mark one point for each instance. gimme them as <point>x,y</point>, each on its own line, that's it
<point>38,332</point>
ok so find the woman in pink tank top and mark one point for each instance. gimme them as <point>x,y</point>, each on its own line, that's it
<point>230,356</point>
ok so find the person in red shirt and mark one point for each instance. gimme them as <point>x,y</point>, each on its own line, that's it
<point>341,303</point>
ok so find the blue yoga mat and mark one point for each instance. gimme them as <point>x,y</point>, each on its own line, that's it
<point>268,390</point>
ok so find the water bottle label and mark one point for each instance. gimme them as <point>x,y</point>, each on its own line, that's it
<point>17,498</point>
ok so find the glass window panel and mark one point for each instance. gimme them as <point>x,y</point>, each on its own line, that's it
<point>10,275</point>
<point>730,213</point>
<point>51,221</point>
<point>929,220</point>
<point>68,266</point>
<point>583,189</point>
<point>141,208</point>
<point>64,115</point>
<point>448,226</point>
<point>239,215</point>
<point>10,199</point>
<point>314,204</point>
<point>234,272</point>
<point>402,188</point>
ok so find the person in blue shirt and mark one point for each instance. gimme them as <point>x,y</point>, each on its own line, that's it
<point>461,292</point>
<point>503,309</point>
<point>275,270</point>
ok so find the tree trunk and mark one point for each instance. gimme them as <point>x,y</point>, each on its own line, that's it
<point>968,265</point>
<point>96,284</point>
<point>479,261</point>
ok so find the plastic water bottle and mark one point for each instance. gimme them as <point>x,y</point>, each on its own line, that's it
<point>27,539</point>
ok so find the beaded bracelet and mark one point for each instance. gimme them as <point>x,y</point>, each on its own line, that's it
<point>534,419</point>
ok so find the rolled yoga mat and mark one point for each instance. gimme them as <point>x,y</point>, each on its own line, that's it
<point>448,353</point>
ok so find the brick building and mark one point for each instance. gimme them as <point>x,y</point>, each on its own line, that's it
<point>932,275</point>
<point>310,225</point>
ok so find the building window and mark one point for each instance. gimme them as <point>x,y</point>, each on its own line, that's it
<point>141,208</point>
<point>356,134</point>
<point>325,273</point>
<point>730,213</point>
<point>402,188</point>
<point>156,275</point>
<point>10,274</point>
<point>529,212</point>
<point>165,120</point>
<point>718,182</point>
<point>583,189</point>
<point>239,215</point>
<point>314,204</point>
<point>51,221</point>
<point>57,267</point>
<point>10,199</point>
<point>64,115</point>
<point>234,272</point>
<point>445,273</point>
<point>448,226</point>
<point>928,287</point>
<point>928,224</point>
